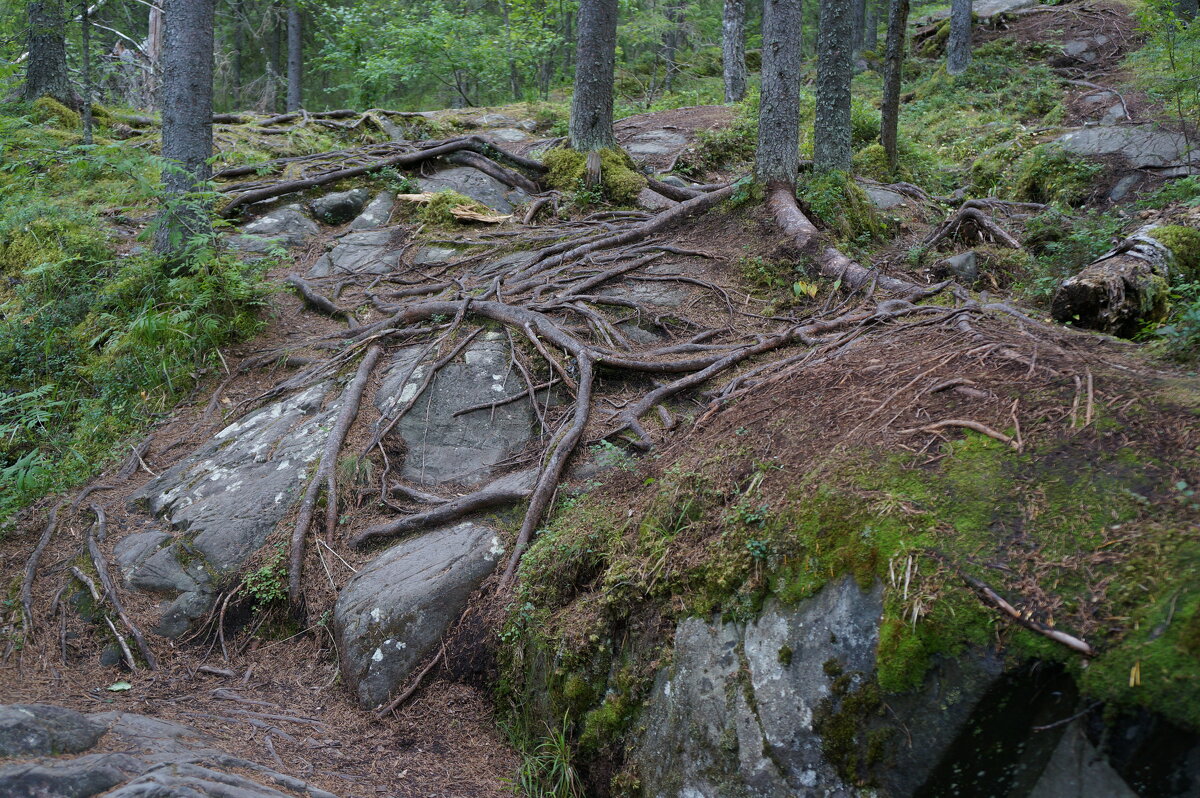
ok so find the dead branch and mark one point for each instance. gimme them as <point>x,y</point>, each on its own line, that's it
<point>1024,619</point>
<point>982,429</point>
<point>110,589</point>
<point>316,301</point>
<point>970,222</point>
<point>31,570</point>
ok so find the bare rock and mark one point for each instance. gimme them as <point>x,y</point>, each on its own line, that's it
<point>284,227</point>
<point>41,729</point>
<point>377,213</point>
<point>393,614</point>
<point>471,182</point>
<point>341,206</point>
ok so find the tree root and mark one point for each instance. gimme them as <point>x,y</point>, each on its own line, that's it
<point>970,222</point>
<point>31,570</point>
<point>316,301</point>
<point>982,429</point>
<point>110,589</point>
<point>327,473</point>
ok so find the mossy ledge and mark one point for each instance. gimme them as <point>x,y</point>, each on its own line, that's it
<point>620,181</point>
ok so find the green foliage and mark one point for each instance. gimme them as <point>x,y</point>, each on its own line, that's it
<point>1062,245</point>
<point>1181,332</point>
<point>1166,66</point>
<point>267,585</point>
<point>95,340</point>
<point>725,147</point>
<point>842,206</point>
<point>1049,174</point>
<point>547,770</point>
<point>1184,190</point>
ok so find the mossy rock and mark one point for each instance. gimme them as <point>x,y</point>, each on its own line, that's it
<point>48,109</point>
<point>1048,173</point>
<point>1184,243</point>
<point>843,207</point>
<point>620,181</point>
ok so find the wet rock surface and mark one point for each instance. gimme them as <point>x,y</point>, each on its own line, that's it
<point>393,614</point>
<point>223,501</point>
<point>160,758</point>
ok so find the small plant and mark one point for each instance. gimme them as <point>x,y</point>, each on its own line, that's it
<point>609,455</point>
<point>547,771</point>
<point>399,182</point>
<point>267,586</point>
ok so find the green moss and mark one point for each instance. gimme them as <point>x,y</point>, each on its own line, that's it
<point>843,207</point>
<point>1184,243</point>
<point>438,211</point>
<point>48,109</point>
<point>843,719</point>
<point>619,178</point>
<point>1048,173</point>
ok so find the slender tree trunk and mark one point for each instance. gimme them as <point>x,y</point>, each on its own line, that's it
<point>46,74</point>
<point>154,47</point>
<point>871,26</point>
<point>778,158</point>
<point>958,48</point>
<point>1186,10</point>
<point>831,130</point>
<point>275,69</point>
<point>85,69</point>
<point>733,50</point>
<point>187,109</point>
<point>295,57</point>
<point>892,67</point>
<point>671,42</point>
<point>595,58</point>
<point>857,23</point>
<point>239,45</point>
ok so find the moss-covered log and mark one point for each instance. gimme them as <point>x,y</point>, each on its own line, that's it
<point>1120,291</point>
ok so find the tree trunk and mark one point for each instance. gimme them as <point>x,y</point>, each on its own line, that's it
<point>1186,10</point>
<point>1120,291</point>
<point>733,50</point>
<point>958,47</point>
<point>275,67</point>
<point>871,26</point>
<point>187,110</point>
<point>831,129</point>
<point>239,44</point>
<point>46,74</point>
<point>295,57</point>
<point>671,42</point>
<point>85,69</point>
<point>778,157</point>
<point>892,67</point>
<point>595,57</point>
<point>857,23</point>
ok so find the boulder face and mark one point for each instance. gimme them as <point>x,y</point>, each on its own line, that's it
<point>161,759</point>
<point>471,182</point>
<point>393,614</point>
<point>440,446</point>
<point>223,501</point>
<point>41,729</point>
<point>341,206</point>
<point>1143,146</point>
<point>360,252</point>
<point>284,227</point>
<point>734,713</point>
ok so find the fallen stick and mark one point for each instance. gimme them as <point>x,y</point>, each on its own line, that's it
<point>994,598</point>
<point>31,569</point>
<point>110,589</point>
<point>982,429</point>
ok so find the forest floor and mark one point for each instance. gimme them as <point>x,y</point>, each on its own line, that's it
<point>446,740</point>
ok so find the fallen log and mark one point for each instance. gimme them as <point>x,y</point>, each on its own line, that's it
<point>1119,292</point>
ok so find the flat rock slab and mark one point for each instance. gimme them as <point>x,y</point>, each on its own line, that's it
<point>885,198</point>
<point>225,499</point>
<point>81,777</point>
<point>393,614</point>
<point>42,729</point>
<point>734,712</point>
<point>661,293</point>
<point>985,9</point>
<point>288,226</point>
<point>442,447</point>
<point>377,213</point>
<point>650,145</point>
<point>471,182</point>
<point>506,135</point>
<point>1144,146</point>
<point>361,252</point>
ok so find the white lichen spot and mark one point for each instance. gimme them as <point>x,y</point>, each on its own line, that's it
<point>497,547</point>
<point>400,645</point>
<point>376,615</point>
<point>377,656</point>
<point>283,466</point>
<point>278,497</point>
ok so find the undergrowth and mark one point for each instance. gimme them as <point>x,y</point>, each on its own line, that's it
<point>97,335</point>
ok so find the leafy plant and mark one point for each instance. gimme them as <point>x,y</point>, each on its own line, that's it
<point>547,771</point>
<point>267,585</point>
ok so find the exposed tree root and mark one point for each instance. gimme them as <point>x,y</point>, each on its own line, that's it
<point>970,223</point>
<point>327,474</point>
<point>31,566</point>
<point>110,589</point>
<point>316,301</point>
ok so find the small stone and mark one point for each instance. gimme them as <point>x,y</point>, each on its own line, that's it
<point>341,206</point>
<point>1123,187</point>
<point>963,267</point>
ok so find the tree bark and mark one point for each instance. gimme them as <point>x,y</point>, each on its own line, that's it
<point>1186,10</point>
<point>595,58</point>
<point>871,26</point>
<point>958,47</point>
<point>857,26</point>
<point>831,129</point>
<point>892,68</point>
<point>46,74</point>
<point>672,40</point>
<point>295,57</point>
<point>187,110</point>
<point>778,158</point>
<point>239,45</point>
<point>85,69</point>
<point>1120,291</point>
<point>733,50</point>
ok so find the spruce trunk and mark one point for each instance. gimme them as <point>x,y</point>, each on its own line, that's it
<point>733,50</point>
<point>778,158</point>
<point>958,48</point>
<point>595,56</point>
<point>831,128</point>
<point>187,110</point>
<point>46,74</point>
<point>295,58</point>
<point>892,69</point>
